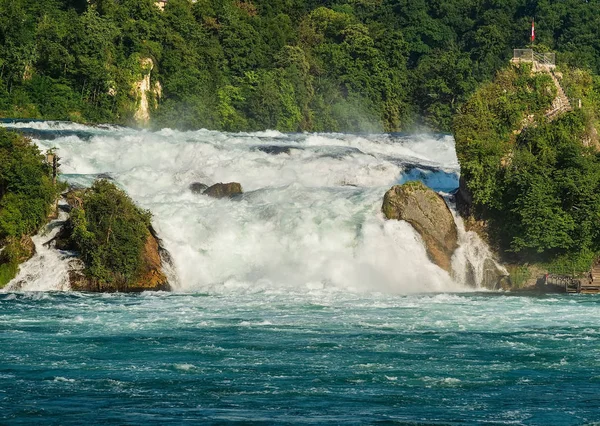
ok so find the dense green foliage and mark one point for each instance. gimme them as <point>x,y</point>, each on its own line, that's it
<point>484,128</point>
<point>537,182</point>
<point>110,232</point>
<point>26,188</point>
<point>13,254</point>
<point>26,196</point>
<point>292,65</point>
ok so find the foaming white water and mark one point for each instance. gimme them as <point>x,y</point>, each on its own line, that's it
<point>48,269</point>
<point>473,256</point>
<point>309,220</point>
<point>60,125</point>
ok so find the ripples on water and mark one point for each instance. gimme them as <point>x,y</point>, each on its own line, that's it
<point>292,358</point>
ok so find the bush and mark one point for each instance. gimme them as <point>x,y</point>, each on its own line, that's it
<point>26,188</point>
<point>15,252</point>
<point>110,232</point>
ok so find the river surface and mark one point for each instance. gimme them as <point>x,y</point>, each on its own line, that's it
<point>281,358</point>
<point>294,303</point>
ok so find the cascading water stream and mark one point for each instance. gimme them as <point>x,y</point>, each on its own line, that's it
<point>474,257</point>
<point>48,269</point>
<point>309,219</point>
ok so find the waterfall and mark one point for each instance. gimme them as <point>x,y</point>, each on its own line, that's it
<point>473,262</point>
<point>48,269</point>
<point>309,219</point>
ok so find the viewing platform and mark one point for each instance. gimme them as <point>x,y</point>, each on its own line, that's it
<point>573,284</point>
<point>541,62</point>
<point>583,287</point>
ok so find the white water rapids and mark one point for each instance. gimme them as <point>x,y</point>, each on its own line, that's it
<point>309,219</point>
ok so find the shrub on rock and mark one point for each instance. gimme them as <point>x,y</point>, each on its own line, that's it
<point>113,237</point>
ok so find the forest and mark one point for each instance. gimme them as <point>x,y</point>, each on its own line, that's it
<point>290,65</point>
<point>534,181</point>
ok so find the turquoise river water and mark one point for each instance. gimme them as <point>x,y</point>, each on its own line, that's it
<point>299,359</point>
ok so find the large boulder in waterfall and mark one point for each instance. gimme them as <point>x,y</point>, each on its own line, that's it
<point>487,274</point>
<point>224,190</point>
<point>495,277</point>
<point>429,215</point>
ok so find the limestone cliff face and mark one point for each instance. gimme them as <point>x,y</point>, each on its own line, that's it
<point>144,91</point>
<point>429,215</point>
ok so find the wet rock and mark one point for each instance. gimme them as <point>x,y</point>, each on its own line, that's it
<point>74,198</point>
<point>27,248</point>
<point>470,275</point>
<point>275,149</point>
<point>429,215</point>
<point>17,250</point>
<point>494,276</point>
<point>463,199</point>
<point>224,190</point>
<point>198,188</point>
<point>77,278</point>
<point>153,278</point>
<point>14,252</point>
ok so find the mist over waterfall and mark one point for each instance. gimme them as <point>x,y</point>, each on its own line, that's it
<point>309,219</point>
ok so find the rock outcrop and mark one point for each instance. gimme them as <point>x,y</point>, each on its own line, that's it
<point>14,252</point>
<point>152,277</point>
<point>27,248</point>
<point>224,190</point>
<point>145,92</point>
<point>116,249</point>
<point>198,188</point>
<point>495,277</point>
<point>428,213</point>
<point>275,149</point>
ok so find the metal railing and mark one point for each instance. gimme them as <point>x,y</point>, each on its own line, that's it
<point>529,55</point>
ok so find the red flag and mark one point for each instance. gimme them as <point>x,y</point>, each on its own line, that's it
<point>532,31</point>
